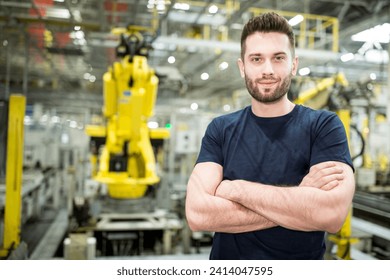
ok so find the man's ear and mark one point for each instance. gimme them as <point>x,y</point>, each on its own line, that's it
<point>295,63</point>
<point>241,67</point>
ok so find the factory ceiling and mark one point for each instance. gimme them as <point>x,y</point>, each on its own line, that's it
<point>56,51</point>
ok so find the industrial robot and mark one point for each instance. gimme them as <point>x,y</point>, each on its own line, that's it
<point>123,158</point>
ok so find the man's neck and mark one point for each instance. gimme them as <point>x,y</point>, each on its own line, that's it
<point>271,110</point>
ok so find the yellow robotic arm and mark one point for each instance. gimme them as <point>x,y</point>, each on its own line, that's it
<point>126,163</point>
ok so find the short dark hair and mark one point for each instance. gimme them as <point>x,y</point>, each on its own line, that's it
<point>268,22</point>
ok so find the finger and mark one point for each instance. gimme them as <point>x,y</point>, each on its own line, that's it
<point>320,180</point>
<point>327,179</point>
<point>326,171</point>
<point>323,165</point>
<point>329,186</point>
<point>339,177</point>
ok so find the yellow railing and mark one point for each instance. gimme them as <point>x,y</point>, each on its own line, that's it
<point>315,31</point>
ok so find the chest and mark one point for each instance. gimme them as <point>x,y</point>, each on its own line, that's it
<point>278,153</point>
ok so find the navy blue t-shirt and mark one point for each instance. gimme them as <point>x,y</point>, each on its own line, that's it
<point>276,151</point>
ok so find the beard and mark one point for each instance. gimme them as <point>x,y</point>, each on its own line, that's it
<point>268,95</point>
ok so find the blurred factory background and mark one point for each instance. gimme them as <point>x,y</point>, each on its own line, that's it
<point>78,182</point>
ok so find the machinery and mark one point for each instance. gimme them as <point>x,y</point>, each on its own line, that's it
<point>329,92</point>
<point>122,154</point>
<point>368,238</point>
<point>123,160</point>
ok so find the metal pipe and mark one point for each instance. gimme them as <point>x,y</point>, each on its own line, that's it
<point>6,44</point>
<point>26,60</point>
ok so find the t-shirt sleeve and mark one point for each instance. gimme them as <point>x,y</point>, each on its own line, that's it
<point>211,147</point>
<point>330,141</point>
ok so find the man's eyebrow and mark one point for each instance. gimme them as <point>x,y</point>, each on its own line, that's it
<point>279,53</point>
<point>274,54</point>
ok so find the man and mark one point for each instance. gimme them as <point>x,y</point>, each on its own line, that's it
<point>272,178</point>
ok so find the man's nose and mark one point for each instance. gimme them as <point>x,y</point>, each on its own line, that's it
<point>268,68</point>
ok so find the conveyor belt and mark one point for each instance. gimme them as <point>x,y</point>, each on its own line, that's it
<point>372,207</point>
<point>52,239</point>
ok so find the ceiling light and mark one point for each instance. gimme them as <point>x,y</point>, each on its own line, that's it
<point>160,7</point>
<point>159,4</point>
<point>205,76</point>
<point>223,66</point>
<point>379,33</point>
<point>213,9</point>
<point>304,71</point>
<point>73,124</point>
<point>58,13</point>
<point>296,20</point>
<point>347,57</point>
<point>181,6</point>
<point>194,106</point>
<point>152,124</point>
<point>28,120</point>
<point>171,59</point>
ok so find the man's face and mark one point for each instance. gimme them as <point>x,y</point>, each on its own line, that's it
<point>268,66</point>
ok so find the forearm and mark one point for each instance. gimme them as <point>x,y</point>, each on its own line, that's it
<point>220,215</point>
<point>298,208</point>
<point>207,212</point>
<point>291,207</point>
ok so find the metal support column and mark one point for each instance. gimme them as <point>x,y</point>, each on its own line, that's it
<point>26,62</point>
<point>388,88</point>
<point>13,178</point>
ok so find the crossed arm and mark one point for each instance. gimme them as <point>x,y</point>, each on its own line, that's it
<point>320,202</point>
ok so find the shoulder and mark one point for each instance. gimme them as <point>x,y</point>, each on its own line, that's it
<point>318,118</point>
<point>230,119</point>
<point>315,113</point>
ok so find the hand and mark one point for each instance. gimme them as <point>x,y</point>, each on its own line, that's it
<point>324,176</point>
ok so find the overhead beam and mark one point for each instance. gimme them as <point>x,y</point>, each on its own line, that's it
<point>234,47</point>
<point>28,19</point>
<point>352,2</point>
<point>364,23</point>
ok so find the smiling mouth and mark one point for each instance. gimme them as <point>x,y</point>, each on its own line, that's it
<point>268,83</point>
